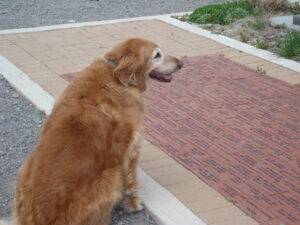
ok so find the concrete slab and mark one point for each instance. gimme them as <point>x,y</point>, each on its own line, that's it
<point>286,20</point>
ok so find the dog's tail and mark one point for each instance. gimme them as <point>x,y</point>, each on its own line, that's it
<point>6,221</point>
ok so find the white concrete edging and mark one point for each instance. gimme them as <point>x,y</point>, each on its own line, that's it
<point>83,24</point>
<point>31,90</point>
<point>164,207</point>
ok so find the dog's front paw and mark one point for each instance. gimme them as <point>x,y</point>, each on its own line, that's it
<point>132,204</point>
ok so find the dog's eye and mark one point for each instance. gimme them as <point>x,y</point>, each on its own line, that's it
<point>158,55</point>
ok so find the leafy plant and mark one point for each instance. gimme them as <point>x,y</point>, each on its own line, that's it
<point>222,13</point>
<point>244,38</point>
<point>260,21</point>
<point>290,46</point>
<point>261,44</point>
<point>295,9</point>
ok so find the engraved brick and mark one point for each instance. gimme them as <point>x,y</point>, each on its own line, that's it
<point>290,200</point>
<point>267,185</point>
<point>287,216</point>
<point>246,159</point>
<point>269,172</point>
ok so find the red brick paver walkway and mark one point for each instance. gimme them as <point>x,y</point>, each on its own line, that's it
<point>236,129</point>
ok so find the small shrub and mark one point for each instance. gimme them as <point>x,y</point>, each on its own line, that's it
<point>295,9</point>
<point>222,13</point>
<point>290,46</point>
<point>261,44</point>
<point>204,18</point>
<point>244,38</point>
<point>240,13</point>
<point>259,23</point>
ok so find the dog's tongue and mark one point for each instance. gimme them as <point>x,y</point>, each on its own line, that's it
<point>161,77</point>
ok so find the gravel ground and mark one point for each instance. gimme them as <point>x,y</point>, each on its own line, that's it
<point>14,14</point>
<point>20,124</point>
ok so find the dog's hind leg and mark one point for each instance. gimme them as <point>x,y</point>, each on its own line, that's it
<point>131,201</point>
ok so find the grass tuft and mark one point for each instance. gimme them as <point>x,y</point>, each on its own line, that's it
<point>290,46</point>
<point>41,112</point>
<point>261,44</point>
<point>222,13</point>
<point>295,9</point>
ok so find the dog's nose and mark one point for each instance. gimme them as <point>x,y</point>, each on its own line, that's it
<point>179,64</point>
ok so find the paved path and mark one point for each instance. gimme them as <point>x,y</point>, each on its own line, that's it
<point>32,13</point>
<point>44,56</point>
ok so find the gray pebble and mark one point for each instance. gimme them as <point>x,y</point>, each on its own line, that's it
<point>15,95</point>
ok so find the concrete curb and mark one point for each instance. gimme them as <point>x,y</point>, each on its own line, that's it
<point>84,24</point>
<point>31,90</point>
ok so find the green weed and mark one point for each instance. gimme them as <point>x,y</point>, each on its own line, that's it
<point>229,199</point>
<point>295,9</point>
<point>250,214</point>
<point>260,21</point>
<point>41,112</point>
<point>261,44</point>
<point>290,46</point>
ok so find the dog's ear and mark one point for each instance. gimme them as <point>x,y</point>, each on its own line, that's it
<point>126,70</point>
<point>130,69</point>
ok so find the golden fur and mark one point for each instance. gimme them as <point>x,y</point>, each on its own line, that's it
<point>86,158</point>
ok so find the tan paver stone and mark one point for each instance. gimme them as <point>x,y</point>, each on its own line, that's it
<point>208,204</point>
<point>157,163</point>
<point>174,178</point>
<point>187,186</point>
<point>279,70</point>
<point>293,78</point>
<point>245,59</point>
<point>261,64</point>
<point>237,220</point>
<point>154,172</point>
<point>148,156</point>
<point>197,195</point>
<point>229,214</point>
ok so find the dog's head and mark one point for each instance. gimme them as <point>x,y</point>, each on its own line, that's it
<point>137,59</point>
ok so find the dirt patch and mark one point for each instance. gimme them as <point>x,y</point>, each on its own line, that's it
<point>256,31</point>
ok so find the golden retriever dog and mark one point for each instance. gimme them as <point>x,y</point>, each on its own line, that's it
<point>86,158</point>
